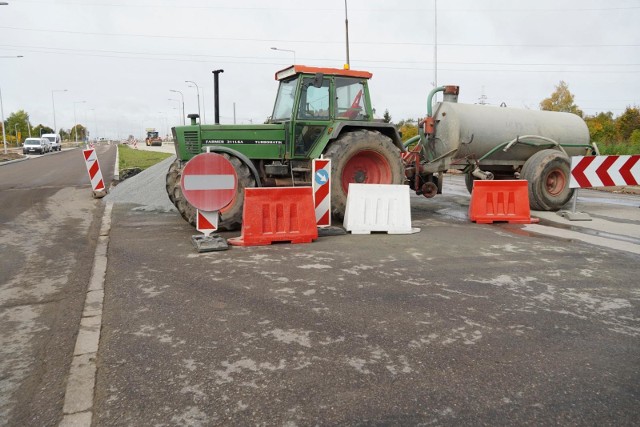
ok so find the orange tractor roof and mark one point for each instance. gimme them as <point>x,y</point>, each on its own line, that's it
<point>297,69</point>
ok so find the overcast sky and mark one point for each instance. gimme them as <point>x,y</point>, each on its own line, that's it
<point>123,56</point>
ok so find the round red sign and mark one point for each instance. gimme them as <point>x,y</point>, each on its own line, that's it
<point>209,181</point>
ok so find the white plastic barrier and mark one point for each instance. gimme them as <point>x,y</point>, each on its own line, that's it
<point>378,207</point>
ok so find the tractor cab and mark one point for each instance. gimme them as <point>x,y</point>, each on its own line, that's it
<point>313,101</point>
<point>321,94</point>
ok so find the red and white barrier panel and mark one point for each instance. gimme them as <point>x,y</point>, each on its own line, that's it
<point>93,167</point>
<point>604,171</point>
<point>321,170</point>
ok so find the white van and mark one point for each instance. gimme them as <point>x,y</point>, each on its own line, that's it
<point>54,138</point>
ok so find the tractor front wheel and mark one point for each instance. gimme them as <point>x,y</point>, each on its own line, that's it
<point>363,157</point>
<point>230,215</point>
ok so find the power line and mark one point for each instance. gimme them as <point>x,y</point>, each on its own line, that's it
<point>362,60</point>
<point>85,33</point>
<point>315,9</point>
<point>373,67</point>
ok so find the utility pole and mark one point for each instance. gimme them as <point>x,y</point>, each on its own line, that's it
<point>346,27</point>
<point>483,98</point>
<point>435,44</point>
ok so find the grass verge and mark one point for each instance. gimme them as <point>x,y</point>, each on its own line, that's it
<point>130,158</point>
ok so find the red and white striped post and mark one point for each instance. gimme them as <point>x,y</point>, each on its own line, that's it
<point>95,176</point>
<point>321,170</point>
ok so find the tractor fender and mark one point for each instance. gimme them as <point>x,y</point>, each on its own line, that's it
<point>386,129</point>
<point>244,159</point>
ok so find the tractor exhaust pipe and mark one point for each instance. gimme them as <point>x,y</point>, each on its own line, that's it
<point>216,96</point>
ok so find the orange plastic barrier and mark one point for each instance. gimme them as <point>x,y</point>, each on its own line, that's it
<point>506,201</point>
<point>280,214</point>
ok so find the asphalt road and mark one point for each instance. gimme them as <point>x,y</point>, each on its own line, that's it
<point>459,324</point>
<point>48,229</point>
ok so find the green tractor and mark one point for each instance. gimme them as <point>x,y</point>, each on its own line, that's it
<point>318,112</point>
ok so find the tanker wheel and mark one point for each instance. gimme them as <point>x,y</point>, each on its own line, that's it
<point>364,157</point>
<point>468,181</point>
<point>548,173</point>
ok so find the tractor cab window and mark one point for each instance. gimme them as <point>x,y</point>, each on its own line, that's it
<point>314,101</point>
<point>350,99</point>
<point>284,100</point>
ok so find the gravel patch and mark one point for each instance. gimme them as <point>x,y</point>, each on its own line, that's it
<point>146,189</point>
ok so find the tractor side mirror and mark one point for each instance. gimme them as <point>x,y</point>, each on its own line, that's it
<point>317,80</point>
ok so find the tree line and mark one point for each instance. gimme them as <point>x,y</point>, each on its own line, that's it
<point>19,125</point>
<point>614,135</point>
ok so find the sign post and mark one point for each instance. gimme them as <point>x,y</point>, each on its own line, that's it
<point>600,171</point>
<point>209,182</point>
<point>321,170</point>
<point>95,176</point>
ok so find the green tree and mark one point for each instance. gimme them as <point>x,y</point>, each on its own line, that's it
<point>40,129</point>
<point>18,121</point>
<point>602,127</point>
<point>81,131</point>
<point>561,100</point>
<point>387,117</point>
<point>627,122</point>
<point>407,128</point>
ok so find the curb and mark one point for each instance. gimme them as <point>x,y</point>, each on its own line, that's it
<point>116,167</point>
<point>8,162</point>
<point>78,398</point>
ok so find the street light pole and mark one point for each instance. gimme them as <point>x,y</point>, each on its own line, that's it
<point>75,126</point>
<point>198,91</point>
<point>178,101</point>
<point>53,102</point>
<point>166,122</point>
<point>15,126</point>
<point>95,123</point>
<point>287,50</point>
<point>182,96</point>
<point>4,133</point>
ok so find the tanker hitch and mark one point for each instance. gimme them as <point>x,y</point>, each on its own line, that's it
<point>480,174</point>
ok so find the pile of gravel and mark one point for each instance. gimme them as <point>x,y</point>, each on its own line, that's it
<point>146,189</point>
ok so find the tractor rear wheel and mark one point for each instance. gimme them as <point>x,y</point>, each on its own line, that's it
<point>363,157</point>
<point>230,215</point>
<point>548,172</point>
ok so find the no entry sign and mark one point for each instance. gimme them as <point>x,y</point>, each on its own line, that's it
<point>209,182</point>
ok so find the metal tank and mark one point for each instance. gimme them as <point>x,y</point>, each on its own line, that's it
<point>488,143</point>
<point>466,131</point>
